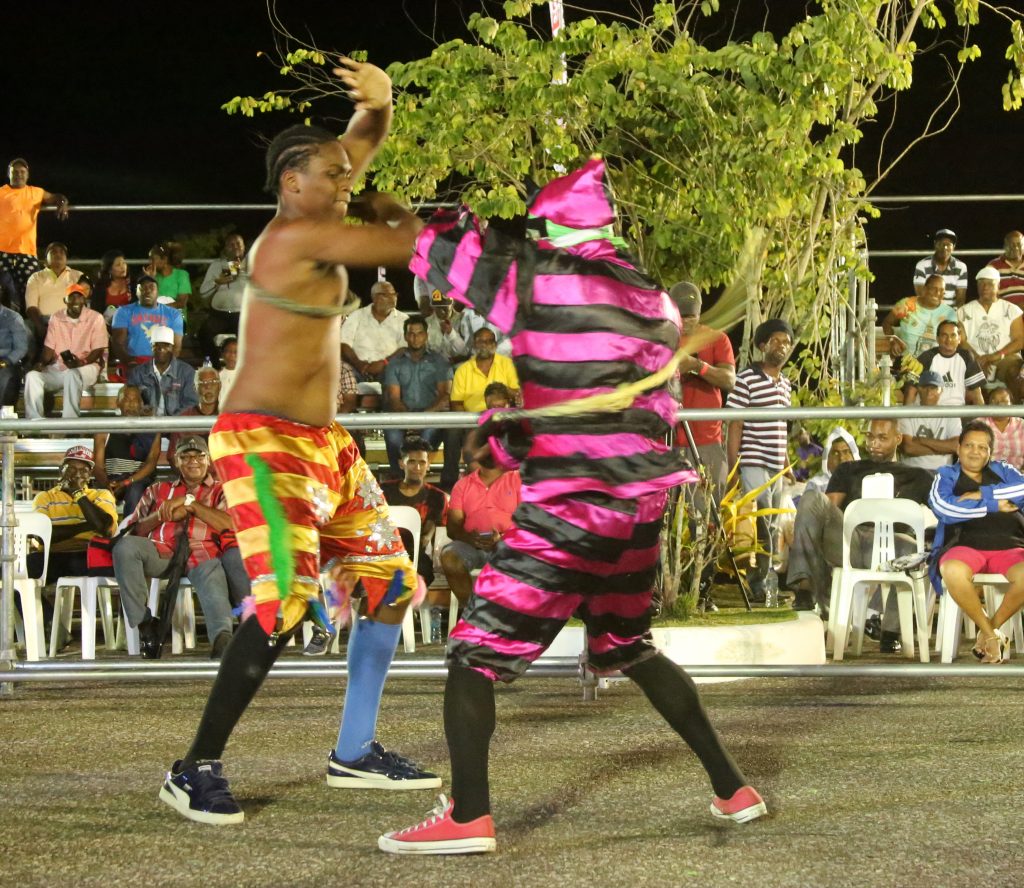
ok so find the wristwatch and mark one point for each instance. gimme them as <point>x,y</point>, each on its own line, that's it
<point>189,499</point>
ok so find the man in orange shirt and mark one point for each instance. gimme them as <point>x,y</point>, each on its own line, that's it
<point>19,209</point>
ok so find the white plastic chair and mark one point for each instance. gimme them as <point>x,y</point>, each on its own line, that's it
<point>407,518</point>
<point>31,523</point>
<point>92,590</point>
<point>881,485</point>
<point>952,619</point>
<point>849,596</point>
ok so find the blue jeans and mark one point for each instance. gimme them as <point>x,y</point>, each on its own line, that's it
<point>220,583</point>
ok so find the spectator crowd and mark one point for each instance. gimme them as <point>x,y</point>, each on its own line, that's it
<point>171,350</point>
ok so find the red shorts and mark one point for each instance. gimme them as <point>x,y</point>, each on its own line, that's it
<point>985,561</point>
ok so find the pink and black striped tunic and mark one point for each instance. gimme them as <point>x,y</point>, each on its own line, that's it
<point>582,321</point>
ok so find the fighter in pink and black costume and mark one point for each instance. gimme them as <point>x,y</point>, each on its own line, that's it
<point>583,320</point>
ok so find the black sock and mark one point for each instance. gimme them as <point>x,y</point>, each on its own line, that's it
<point>468,725</point>
<point>243,667</point>
<point>673,693</point>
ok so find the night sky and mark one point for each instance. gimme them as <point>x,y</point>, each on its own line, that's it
<point>120,103</point>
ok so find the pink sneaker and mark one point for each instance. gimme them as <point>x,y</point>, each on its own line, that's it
<point>745,804</point>
<point>439,834</point>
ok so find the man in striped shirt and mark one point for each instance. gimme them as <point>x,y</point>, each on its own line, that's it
<point>943,263</point>
<point>78,513</point>
<point>193,506</point>
<point>1010,266</point>
<point>760,446</point>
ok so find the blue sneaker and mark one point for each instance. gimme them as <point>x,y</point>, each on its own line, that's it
<point>201,793</point>
<point>378,769</point>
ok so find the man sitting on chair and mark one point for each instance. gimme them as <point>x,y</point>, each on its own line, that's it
<point>818,531</point>
<point>480,511</point>
<point>78,513</point>
<point>191,504</point>
<point>981,530</point>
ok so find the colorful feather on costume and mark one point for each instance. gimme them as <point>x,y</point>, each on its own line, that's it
<point>246,609</point>
<point>395,587</point>
<point>281,561</point>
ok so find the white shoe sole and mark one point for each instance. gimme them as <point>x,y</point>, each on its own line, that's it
<point>481,845</point>
<point>743,816</point>
<point>340,781</point>
<point>179,800</point>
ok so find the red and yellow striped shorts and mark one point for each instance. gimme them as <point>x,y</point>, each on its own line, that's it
<point>333,504</point>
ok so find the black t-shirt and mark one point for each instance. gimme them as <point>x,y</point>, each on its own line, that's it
<point>909,482</point>
<point>431,502</point>
<point>994,531</point>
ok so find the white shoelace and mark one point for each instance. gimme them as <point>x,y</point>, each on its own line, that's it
<point>433,817</point>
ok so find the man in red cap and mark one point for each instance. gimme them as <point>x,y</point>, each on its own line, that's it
<point>76,338</point>
<point>78,513</point>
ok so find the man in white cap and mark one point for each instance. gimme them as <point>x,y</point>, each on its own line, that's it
<point>167,384</point>
<point>78,513</point>
<point>76,338</point>
<point>994,331</point>
<point>944,263</point>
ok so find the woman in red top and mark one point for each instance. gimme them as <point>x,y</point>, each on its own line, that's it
<point>113,286</point>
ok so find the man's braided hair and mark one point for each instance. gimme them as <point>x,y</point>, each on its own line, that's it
<point>291,150</point>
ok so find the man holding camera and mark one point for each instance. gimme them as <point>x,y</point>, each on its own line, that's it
<point>71,358</point>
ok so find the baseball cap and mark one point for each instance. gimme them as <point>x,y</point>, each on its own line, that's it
<point>77,288</point>
<point>192,442</point>
<point>988,273</point>
<point>80,452</point>
<point>686,296</point>
<point>160,333</point>
<point>144,278</point>
<point>929,377</point>
<point>945,232</point>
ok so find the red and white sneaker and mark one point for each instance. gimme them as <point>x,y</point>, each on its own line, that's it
<point>745,804</point>
<point>439,834</point>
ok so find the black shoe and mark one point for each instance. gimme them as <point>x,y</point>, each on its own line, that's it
<point>378,769</point>
<point>319,642</point>
<point>873,627</point>
<point>707,606</point>
<point>755,591</point>
<point>803,600</point>
<point>220,644</point>
<point>150,645</point>
<point>201,793</point>
<point>890,643</point>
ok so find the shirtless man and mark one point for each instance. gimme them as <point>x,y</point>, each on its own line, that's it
<point>282,406</point>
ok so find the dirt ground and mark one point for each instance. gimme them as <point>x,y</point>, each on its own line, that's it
<point>869,781</point>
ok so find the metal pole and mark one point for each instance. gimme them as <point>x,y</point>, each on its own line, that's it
<point>554,667</point>
<point>86,428</point>
<point>7,655</point>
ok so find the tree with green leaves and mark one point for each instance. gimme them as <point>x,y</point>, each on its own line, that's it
<point>706,138</point>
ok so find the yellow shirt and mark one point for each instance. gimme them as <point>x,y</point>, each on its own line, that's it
<point>46,290</point>
<point>469,383</point>
<point>19,209</point>
<point>58,506</point>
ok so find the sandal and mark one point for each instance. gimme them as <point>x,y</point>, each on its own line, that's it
<point>992,648</point>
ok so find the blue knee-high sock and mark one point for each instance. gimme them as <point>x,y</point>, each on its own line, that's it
<point>371,647</point>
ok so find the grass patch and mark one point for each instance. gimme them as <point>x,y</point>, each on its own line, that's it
<point>726,616</point>
<point>733,616</point>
